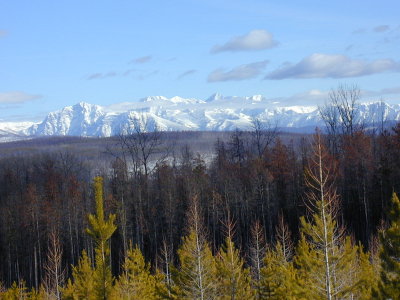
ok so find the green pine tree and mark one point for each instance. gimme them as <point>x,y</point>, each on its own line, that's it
<point>389,285</point>
<point>196,277</point>
<point>233,279</point>
<point>136,282</point>
<point>277,276</point>
<point>17,291</point>
<point>303,263</point>
<point>330,263</point>
<point>101,230</point>
<point>82,284</point>
<point>368,277</point>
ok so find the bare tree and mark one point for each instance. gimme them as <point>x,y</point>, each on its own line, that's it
<point>263,135</point>
<point>258,248</point>
<point>345,99</point>
<point>166,262</point>
<point>54,273</point>
<point>236,146</point>
<point>284,237</point>
<point>330,115</point>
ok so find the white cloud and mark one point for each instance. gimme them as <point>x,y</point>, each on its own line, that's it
<point>333,66</point>
<point>102,75</point>
<point>381,28</point>
<point>258,39</point>
<point>142,60</point>
<point>17,97</point>
<point>241,72</point>
<point>308,98</point>
<point>382,92</point>
<point>359,31</point>
<point>392,90</point>
<point>186,73</point>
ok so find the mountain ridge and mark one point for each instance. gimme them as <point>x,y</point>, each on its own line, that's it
<point>216,113</point>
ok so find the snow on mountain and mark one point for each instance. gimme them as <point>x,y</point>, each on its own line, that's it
<point>82,119</point>
<point>216,113</point>
<point>13,131</point>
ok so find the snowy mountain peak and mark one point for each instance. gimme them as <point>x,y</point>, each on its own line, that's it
<point>256,98</point>
<point>177,113</point>
<point>154,99</point>
<point>215,97</point>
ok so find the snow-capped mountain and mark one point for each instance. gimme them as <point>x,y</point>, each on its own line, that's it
<point>215,113</point>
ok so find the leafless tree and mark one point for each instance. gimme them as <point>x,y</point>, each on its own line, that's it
<point>346,98</point>
<point>54,273</point>
<point>258,248</point>
<point>166,261</point>
<point>284,236</point>
<point>263,135</point>
<point>236,147</point>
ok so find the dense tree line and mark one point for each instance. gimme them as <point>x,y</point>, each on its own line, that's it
<point>254,206</point>
<point>325,262</point>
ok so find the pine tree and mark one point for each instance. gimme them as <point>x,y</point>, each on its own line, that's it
<point>233,279</point>
<point>389,285</point>
<point>39,294</point>
<point>278,274</point>
<point>82,284</point>
<point>330,264</point>
<point>16,291</point>
<point>368,277</point>
<point>136,282</point>
<point>101,230</point>
<point>303,263</point>
<point>196,277</point>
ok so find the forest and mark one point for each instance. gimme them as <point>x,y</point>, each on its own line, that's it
<point>316,217</point>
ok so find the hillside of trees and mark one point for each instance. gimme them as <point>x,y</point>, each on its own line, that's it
<point>316,217</point>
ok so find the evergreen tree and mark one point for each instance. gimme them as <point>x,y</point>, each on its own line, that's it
<point>233,279</point>
<point>136,282</point>
<point>196,277</point>
<point>331,258</point>
<point>389,285</point>
<point>15,292</point>
<point>101,230</point>
<point>277,275</point>
<point>82,284</point>
<point>368,277</point>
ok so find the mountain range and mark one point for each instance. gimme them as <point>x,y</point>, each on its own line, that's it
<point>176,114</point>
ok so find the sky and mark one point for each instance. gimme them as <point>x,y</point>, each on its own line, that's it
<point>58,53</point>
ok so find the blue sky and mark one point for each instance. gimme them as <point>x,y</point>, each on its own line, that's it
<point>58,53</point>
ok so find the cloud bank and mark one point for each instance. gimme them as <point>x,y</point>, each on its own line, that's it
<point>186,73</point>
<point>142,60</point>
<point>381,28</point>
<point>241,72</point>
<point>258,39</point>
<point>101,75</point>
<point>17,97</point>
<point>333,66</point>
